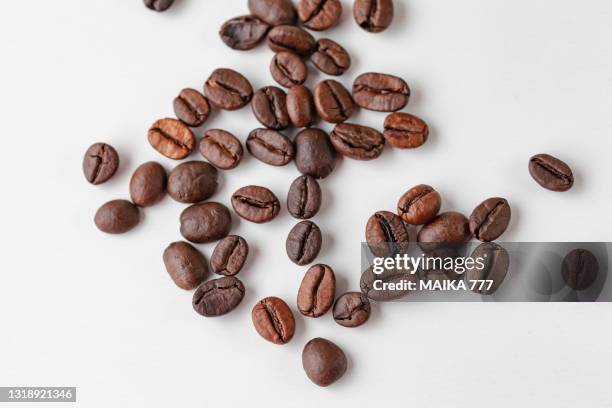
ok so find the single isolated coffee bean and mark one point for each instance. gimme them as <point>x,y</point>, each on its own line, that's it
<point>228,89</point>
<point>192,182</point>
<point>352,309</point>
<point>290,38</point>
<point>496,263</point>
<point>304,198</point>
<point>158,5</point>
<point>319,15</point>
<point>380,92</point>
<point>300,106</point>
<point>333,102</point>
<point>579,269</point>
<point>405,131</point>
<point>221,149</point>
<point>256,204</point>
<point>218,296</point>
<point>317,291</point>
<point>448,227</point>
<point>314,153</point>
<point>330,57</point>
<point>386,234</point>
<point>117,217</point>
<point>304,243</point>
<point>373,15</point>
<point>270,146</point>
<point>274,12</point>
<point>273,320</point>
<point>357,142</point>
<point>191,107</point>
<point>229,255</point>
<point>323,361</point>
<point>419,205</point>
<point>148,184</point>
<point>490,219</point>
<point>205,222</point>
<point>269,106</point>
<point>100,163</point>
<point>389,285</point>
<point>171,138</point>
<point>244,32</point>
<point>185,264</point>
<point>551,173</point>
<point>288,69</point>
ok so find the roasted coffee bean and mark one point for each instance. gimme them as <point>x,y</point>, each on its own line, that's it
<point>288,69</point>
<point>551,173</point>
<point>389,285</point>
<point>419,205</point>
<point>319,15</point>
<point>304,243</point>
<point>269,106</point>
<point>256,204</point>
<point>273,320</point>
<point>229,255</point>
<point>333,102</point>
<point>191,107</point>
<point>448,227</point>
<point>270,146</point>
<point>433,271</point>
<point>496,262</point>
<point>290,38</point>
<point>352,309</point>
<point>317,291</point>
<point>314,154</point>
<point>380,92</point>
<point>490,219</point>
<point>186,265</point>
<point>579,269</point>
<point>227,89</point>
<point>100,163</point>
<point>218,296</point>
<point>405,131</point>
<point>117,217</point>
<point>158,5</point>
<point>192,182</point>
<point>304,198</point>
<point>274,12</point>
<point>244,32</point>
<point>357,142</point>
<point>300,106</point>
<point>172,138</point>
<point>148,184</point>
<point>205,222</point>
<point>323,361</point>
<point>221,149</point>
<point>386,234</point>
<point>373,15</point>
<point>330,57</point>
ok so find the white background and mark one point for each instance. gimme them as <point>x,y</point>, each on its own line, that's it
<point>497,81</point>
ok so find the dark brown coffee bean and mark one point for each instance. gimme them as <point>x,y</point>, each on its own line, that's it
<point>304,198</point>
<point>330,57</point>
<point>100,163</point>
<point>270,146</point>
<point>229,255</point>
<point>288,69</point>
<point>186,265</point>
<point>314,154</point>
<point>357,142</point>
<point>551,173</point>
<point>148,184</point>
<point>449,227</point>
<point>389,285</point>
<point>227,89</point>
<point>304,243</point>
<point>205,222</point>
<point>405,131</point>
<point>244,32</point>
<point>158,5</point>
<point>317,291</point>
<point>218,296</point>
<point>579,269</point>
<point>373,15</point>
<point>274,12</point>
<point>323,361</point>
<point>191,107</point>
<point>256,204</point>
<point>380,92</point>
<point>192,182</point>
<point>495,263</point>
<point>117,217</point>
<point>319,15</point>
<point>290,38</point>
<point>221,149</point>
<point>386,234</point>
<point>273,320</point>
<point>352,309</point>
<point>172,138</point>
<point>269,106</point>
<point>419,205</point>
<point>490,219</point>
<point>300,106</point>
<point>333,102</point>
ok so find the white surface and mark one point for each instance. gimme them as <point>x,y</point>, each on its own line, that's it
<point>498,81</point>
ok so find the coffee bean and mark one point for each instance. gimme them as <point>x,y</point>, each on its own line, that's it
<point>273,320</point>
<point>100,163</point>
<point>191,107</point>
<point>148,184</point>
<point>357,142</point>
<point>270,146</point>
<point>158,5</point>
<point>323,361</point>
<point>227,89</point>
<point>496,263</point>
<point>290,38</point>
<point>432,270</point>
<point>300,106</point>
<point>419,205</point>
<point>186,265</point>
<point>229,255</point>
<point>386,234</point>
<point>490,219</point>
<point>352,309</point>
<point>551,173</point>
<point>269,106</point>
<point>218,296</point>
<point>192,182</point>
<point>172,138</point>
<point>244,32</point>
<point>117,217</point>
<point>319,15</point>
<point>256,204</point>
<point>333,102</point>
<point>314,154</point>
<point>330,57</point>
<point>370,281</point>
<point>273,12</point>
<point>373,15</point>
<point>449,227</point>
<point>205,222</point>
<point>579,269</point>
<point>405,131</point>
<point>380,92</point>
<point>317,291</point>
<point>288,69</point>
<point>304,198</point>
<point>304,242</point>
<point>221,149</point>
